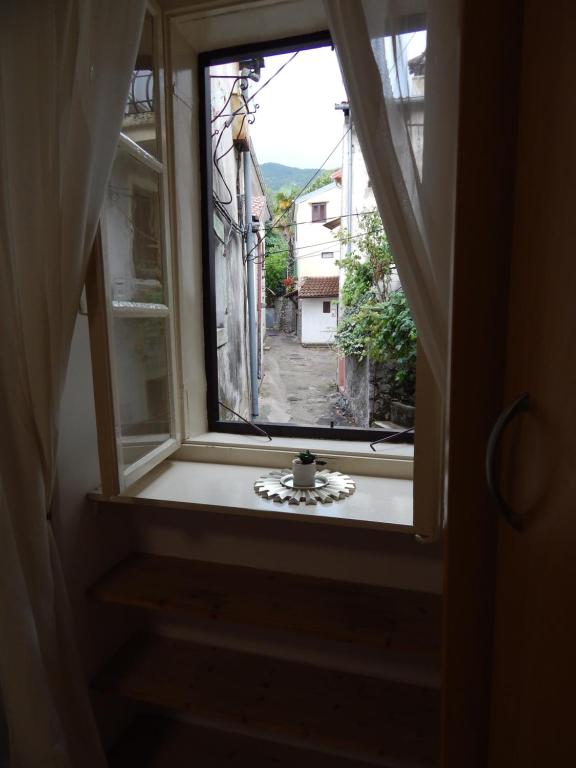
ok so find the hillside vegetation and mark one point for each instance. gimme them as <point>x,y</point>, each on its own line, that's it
<point>282,178</point>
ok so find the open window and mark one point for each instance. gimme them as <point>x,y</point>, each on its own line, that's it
<point>223,226</point>
<point>298,278</point>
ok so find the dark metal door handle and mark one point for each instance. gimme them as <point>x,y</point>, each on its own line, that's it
<point>515,519</point>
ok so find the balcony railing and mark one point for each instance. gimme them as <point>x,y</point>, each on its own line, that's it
<point>141,93</point>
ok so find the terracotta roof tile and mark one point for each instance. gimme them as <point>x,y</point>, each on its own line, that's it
<point>318,287</point>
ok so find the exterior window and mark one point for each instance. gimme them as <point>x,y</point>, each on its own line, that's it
<point>271,277</point>
<point>318,212</point>
<point>272,248</point>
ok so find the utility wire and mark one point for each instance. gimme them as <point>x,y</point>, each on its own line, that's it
<point>217,158</point>
<point>340,216</point>
<point>228,99</point>
<point>228,123</point>
<point>327,242</point>
<point>258,90</point>
<point>254,426</point>
<point>310,180</point>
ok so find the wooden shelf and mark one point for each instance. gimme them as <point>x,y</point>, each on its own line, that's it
<point>338,711</point>
<point>156,742</point>
<point>406,625</point>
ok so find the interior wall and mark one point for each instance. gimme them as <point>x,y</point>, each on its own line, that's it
<point>210,29</point>
<point>89,543</point>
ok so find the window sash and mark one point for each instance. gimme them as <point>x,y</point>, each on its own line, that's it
<point>214,421</point>
<point>117,469</point>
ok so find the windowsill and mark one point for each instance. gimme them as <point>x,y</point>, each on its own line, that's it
<point>378,502</point>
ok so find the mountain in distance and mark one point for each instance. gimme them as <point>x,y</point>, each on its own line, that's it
<point>280,177</point>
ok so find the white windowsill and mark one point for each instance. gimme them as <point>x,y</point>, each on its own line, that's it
<point>378,502</point>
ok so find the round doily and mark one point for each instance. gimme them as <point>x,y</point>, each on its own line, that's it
<point>330,486</point>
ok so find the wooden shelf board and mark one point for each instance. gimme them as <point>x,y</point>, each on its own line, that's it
<point>332,710</point>
<point>404,624</point>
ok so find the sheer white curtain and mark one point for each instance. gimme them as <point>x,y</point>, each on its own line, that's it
<point>413,183</point>
<point>65,67</point>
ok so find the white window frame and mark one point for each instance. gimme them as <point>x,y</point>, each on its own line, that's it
<point>116,474</point>
<point>219,27</point>
<point>212,28</point>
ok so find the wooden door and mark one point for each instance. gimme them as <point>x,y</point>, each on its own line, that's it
<point>533,709</point>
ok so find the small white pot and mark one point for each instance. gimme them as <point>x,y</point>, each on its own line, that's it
<point>303,474</point>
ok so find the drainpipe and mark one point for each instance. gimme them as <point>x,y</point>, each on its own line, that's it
<point>344,106</point>
<point>251,288</point>
<point>349,190</point>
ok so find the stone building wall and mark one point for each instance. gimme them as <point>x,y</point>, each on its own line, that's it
<point>286,314</point>
<point>369,395</point>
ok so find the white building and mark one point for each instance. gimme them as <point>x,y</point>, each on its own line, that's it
<point>316,248</point>
<point>318,302</point>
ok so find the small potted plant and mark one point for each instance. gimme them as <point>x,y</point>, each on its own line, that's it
<point>304,469</point>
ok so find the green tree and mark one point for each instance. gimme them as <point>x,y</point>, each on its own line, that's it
<point>321,180</point>
<point>369,266</point>
<point>276,264</point>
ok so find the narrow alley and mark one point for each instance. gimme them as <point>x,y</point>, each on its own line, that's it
<point>298,383</point>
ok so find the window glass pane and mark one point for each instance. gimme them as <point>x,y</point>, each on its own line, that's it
<point>143,384</point>
<point>310,325</point>
<point>140,122</point>
<point>132,231</point>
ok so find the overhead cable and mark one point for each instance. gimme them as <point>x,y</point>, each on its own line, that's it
<point>310,180</point>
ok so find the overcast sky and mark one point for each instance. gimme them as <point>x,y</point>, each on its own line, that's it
<point>296,123</point>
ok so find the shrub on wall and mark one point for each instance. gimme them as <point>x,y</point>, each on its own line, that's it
<point>376,322</point>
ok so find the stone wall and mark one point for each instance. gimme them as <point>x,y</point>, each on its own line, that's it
<point>286,314</point>
<point>369,392</point>
<point>232,323</point>
<point>381,379</point>
<point>357,390</point>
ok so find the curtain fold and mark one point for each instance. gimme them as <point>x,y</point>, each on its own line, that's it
<point>414,186</point>
<point>65,67</point>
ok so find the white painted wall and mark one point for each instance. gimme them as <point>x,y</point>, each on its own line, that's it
<point>314,238</point>
<point>363,200</point>
<point>318,327</point>
<point>89,542</point>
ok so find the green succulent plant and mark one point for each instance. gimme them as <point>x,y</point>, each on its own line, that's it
<point>309,458</point>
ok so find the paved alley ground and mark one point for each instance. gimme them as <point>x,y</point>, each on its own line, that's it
<point>298,383</point>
